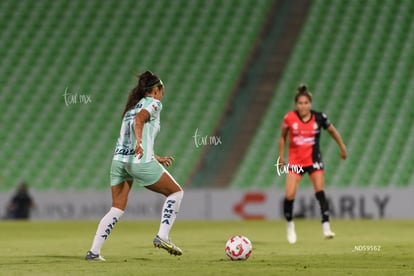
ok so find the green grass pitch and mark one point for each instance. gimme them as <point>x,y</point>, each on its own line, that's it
<point>58,248</point>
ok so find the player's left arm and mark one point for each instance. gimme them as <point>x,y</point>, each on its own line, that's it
<point>140,120</point>
<point>337,137</point>
<point>166,160</point>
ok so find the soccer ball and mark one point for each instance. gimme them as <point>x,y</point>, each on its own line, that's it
<point>238,248</point>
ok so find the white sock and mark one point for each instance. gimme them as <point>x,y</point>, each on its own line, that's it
<point>105,227</point>
<point>169,212</point>
<point>326,227</point>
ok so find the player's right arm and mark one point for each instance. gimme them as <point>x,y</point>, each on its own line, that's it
<point>140,119</point>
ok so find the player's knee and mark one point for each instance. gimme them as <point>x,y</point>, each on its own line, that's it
<point>179,195</point>
<point>290,196</point>
<point>119,204</point>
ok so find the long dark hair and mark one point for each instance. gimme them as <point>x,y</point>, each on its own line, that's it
<point>146,82</point>
<point>302,90</point>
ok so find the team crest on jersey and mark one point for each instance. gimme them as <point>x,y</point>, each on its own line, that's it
<point>155,107</point>
<point>295,125</point>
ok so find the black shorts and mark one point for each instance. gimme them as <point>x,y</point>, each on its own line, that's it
<point>299,170</point>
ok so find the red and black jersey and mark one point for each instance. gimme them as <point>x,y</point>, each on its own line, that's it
<point>304,138</point>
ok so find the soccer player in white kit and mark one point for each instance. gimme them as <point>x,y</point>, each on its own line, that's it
<point>134,161</point>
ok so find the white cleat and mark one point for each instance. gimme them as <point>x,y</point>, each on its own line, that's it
<point>93,257</point>
<point>291,234</point>
<point>167,245</point>
<point>327,232</point>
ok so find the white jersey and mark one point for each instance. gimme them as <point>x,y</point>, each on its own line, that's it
<point>125,146</point>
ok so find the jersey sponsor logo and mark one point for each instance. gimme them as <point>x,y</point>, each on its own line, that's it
<point>300,140</point>
<point>306,132</point>
<point>124,151</point>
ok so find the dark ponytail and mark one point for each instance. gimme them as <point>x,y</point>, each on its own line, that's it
<point>302,90</point>
<point>146,82</point>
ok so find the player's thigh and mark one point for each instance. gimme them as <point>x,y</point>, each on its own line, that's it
<point>292,182</point>
<point>166,185</point>
<point>120,194</point>
<point>318,180</point>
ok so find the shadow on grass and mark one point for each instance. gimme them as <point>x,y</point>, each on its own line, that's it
<point>44,259</point>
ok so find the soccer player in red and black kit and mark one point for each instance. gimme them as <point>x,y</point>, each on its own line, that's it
<point>304,127</point>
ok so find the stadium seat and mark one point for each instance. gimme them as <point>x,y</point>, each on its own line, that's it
<point>355,57</point>
<point>91,47</point>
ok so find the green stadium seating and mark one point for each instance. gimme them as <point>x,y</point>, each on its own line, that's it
<point>91,47</point>
<point>356,57</point>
